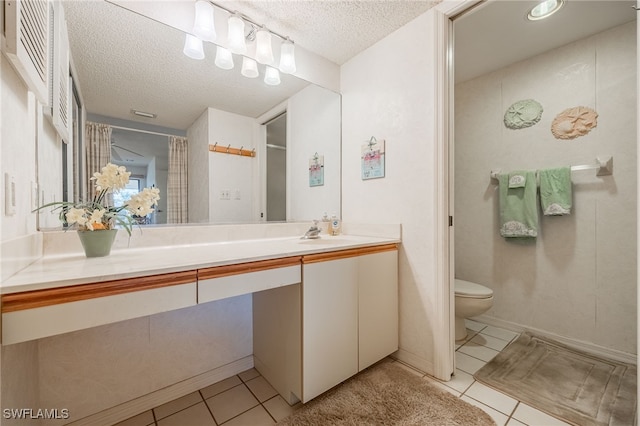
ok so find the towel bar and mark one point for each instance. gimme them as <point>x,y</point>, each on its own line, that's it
<point>603,167</point>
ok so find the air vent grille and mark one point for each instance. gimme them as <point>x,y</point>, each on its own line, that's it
<point>64,98</point>
<point>33,34</point>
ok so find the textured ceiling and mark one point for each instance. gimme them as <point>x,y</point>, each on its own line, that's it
<point>126,61</point>
<point>334,29</point>
<point>496,34</point>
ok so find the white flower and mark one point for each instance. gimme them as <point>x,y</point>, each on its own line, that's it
<point>95,218</point>
<point>111,178</point>
<point>97,214</point>
<point>141,204</point>
<point>75,215</point>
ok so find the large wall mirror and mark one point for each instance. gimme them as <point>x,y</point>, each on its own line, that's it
<point>126,64</point>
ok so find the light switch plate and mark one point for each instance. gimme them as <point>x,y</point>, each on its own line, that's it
<point>9,195</point>
<point>34,195</point>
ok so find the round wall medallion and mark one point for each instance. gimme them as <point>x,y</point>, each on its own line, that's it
<point>523,114</point>
<point>574,122</point>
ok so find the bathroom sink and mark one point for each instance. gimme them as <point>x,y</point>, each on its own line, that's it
<point>323,240</point>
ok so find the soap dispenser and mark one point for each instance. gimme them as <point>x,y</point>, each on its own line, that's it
<point>326,224</point>
<point>335,225</point>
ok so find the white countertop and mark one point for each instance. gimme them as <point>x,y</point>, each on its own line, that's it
<point>70,269</point>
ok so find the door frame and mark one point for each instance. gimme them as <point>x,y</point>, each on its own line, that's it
<point>444,333</point>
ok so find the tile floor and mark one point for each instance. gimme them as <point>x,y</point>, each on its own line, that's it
<point>248,400</point>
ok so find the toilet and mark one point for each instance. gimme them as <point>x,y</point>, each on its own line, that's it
<point>471,299</point>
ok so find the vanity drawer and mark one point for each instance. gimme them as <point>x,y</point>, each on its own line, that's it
<point>245,278</point>
<point>42,313</point>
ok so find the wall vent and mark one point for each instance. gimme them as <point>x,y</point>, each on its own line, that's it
<point>27,43</point>
<point>59,105</point>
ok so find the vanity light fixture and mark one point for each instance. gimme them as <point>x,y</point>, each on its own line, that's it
<point>193,47</point>
<point>224,58</point>
<point>237,42</point>
<point>271,76</point>
<point>203,26</point>
<point>249,68</point>
<point>544,9</point>
<point>204,30</point>
<point>287,57</point>
<point>264,53</point>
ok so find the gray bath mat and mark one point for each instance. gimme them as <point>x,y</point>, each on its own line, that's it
<point>575,386</point>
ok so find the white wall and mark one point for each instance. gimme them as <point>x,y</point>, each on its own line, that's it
<point>388,92</point>
<point>18,133</point>
<point>578,280</point>
<point>90,370</point>
<point>198,175</point>
<point>313,126</point>
<point>49,170</point>
<point>233,173</point>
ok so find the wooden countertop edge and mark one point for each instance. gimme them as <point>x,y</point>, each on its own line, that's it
<point>343,254</point>
<point>53,296</point>
<point>13,302</point>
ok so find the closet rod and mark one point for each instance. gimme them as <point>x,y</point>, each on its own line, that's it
<point>143,131</point>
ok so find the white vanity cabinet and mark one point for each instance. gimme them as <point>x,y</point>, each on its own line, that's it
<point>377,307</point>
<point>329,323</point>
<point>342,318</point>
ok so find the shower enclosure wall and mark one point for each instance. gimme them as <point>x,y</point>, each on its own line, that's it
<point>578,280</point>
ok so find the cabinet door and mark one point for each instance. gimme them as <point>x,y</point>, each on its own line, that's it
<point>330,324</point>
<point>378,306</point>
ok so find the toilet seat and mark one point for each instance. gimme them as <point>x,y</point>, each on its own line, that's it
<point>471,290</point>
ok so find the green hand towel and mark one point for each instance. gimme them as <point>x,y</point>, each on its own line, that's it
<point>518,207</point>
<point>555,191</point>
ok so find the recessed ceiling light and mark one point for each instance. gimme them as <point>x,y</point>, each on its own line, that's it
<point>144,114</point>
<point>544,9</point>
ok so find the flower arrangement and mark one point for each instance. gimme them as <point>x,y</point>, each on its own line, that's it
<point>97,214</point>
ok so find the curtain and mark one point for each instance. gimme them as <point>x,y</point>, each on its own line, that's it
<point>98,152</point>
<point>177,187</point>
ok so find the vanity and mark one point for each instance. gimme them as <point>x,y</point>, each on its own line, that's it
<point>323,309</point>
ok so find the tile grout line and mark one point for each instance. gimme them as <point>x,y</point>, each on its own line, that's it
<point>256,396</point>
<point>469,338</point>
<point>207,405</point>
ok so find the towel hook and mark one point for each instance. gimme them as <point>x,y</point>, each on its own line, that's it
<point>228,146</point>
<point>214,145</point>
<point>240,150</point>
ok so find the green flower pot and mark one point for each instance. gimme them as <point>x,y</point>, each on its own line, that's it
<point>97,243</point>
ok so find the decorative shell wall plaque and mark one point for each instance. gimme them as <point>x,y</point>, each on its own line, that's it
<point>523,114</point>
<point>574,122</point>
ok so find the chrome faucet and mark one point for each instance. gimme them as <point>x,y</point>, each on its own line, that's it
<point>313,232</point>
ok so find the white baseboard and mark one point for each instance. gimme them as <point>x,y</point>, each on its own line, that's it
<point>139,405</point>
<point>414,361</point>
<point>588,347</point>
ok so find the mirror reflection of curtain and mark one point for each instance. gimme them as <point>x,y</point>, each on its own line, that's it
<point>177,203</point>
<point>98,151</point>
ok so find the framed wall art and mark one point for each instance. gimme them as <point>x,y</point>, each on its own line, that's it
<point>372,159</point>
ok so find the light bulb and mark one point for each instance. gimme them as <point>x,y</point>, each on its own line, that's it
<point>264,53</point>
<point>203,26</point>
<point>544,9</point>
<point>237,43</point>
<point>271,76</point>
<point>224,58</point>
<point>249,68</point>
<point>287,57</point>
<point>193,47</point>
